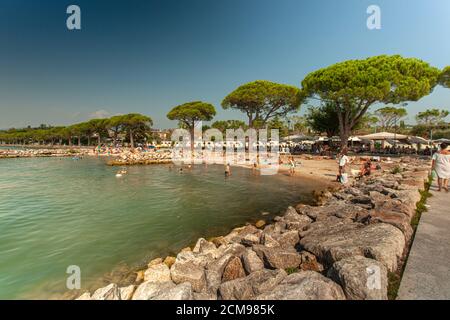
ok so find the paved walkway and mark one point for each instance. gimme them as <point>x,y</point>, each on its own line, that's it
<point>427,273</point>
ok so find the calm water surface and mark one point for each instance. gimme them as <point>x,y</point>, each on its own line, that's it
<point>60,212</point>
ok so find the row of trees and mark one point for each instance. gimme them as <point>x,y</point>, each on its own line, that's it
<point>343,94</point>
<point>129,126</point>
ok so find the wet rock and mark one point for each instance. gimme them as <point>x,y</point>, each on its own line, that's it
<point>157,273</point>
<point>203,246</point>
<point>361,278</point>
<point>169,261</point>
<point>233,270</point>
<point>251,261</point>
<point>126,293</point>
<point>110,292</point>
<point>260,223</point>
<point>155,262</point>
<point>140,276</point>
<point>219,241</point>
<point>278,258</point>
<point>333,240</point>
<point>305,285</point>
<point>254,284</point>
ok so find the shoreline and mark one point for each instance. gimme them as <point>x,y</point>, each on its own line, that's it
<point>364,224</point>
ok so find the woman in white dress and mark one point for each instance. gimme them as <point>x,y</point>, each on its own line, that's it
<point>441,165</point>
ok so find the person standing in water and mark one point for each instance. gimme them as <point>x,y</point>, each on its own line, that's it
<point>292,166</point>
<point>441,165</point>
<point>227,170</point>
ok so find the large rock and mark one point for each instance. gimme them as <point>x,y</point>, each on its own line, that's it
<point>163,291</point>
<point>149,290</point>
<point>288,239</point>
<point>84,296</point>
<point>157,273</point>
<point>214,272</point>
<point>252,285</point>
<point>361,278</point>
<point>110,292</point>
<point>251,261</point>
<point>188,271</point>
<point>233,270</point>
<point>305,285</point>
<point>126,293</point>
<point>309,262</point>
<point>334,240</point>
<point>203,246</point>
<point>278,258</point>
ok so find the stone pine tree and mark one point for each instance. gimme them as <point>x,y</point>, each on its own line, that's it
<point>189,113</point>
<point>263,100</point>
<point>355,85</point>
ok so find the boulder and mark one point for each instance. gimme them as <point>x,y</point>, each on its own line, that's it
<point>305,285</point>
<point>333,240</point>
<point>188,271</point>
<point>278,258</point>
<point>110,292</point>
<point>254,284</point>
<point>251,261</point>
<point>157,273</point>
<point>84,296</point>
<point>309,262</point>
<point>163,291</point>
<point>233,270</point>
<point>260,223</point>
<point>361,278</point>
<point>288,239</point>
<point>250,239</point>
<point>203,246</point>
<point>126,293</point>
<point>269,241</point>
<point>169,261</point>
<point>214,272</point>
<point>155,262</point>
<point>183,291</point>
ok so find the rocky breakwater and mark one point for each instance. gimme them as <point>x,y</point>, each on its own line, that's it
<point>141,158</point>
<point>342,249</point>
<point>42,153</point>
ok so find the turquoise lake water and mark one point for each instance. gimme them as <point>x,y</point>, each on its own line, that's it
<point>60,212</point>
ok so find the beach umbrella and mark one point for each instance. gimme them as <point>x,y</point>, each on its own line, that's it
<point>383,136</point>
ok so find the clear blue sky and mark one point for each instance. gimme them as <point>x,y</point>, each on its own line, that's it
<point>148,56</point>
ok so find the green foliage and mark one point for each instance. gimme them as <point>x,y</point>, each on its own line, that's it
<point>444,79</point>
<point>222,126</point>
<point>389,116</point>
<point>263,100</point>
<point>354,85</point>
<point>291,270</point>
<point>191,112</point>
<point>432,117</point>
<point>323,119</point>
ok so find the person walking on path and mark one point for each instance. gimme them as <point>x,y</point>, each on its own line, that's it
<point>441,165</point>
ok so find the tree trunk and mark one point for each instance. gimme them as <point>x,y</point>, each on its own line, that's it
<point>99,140</point>
<point>79,141</point>
<point>89,140</point>
<point>131,139</point>
<point>192,138</point>
<point>70,141</point>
